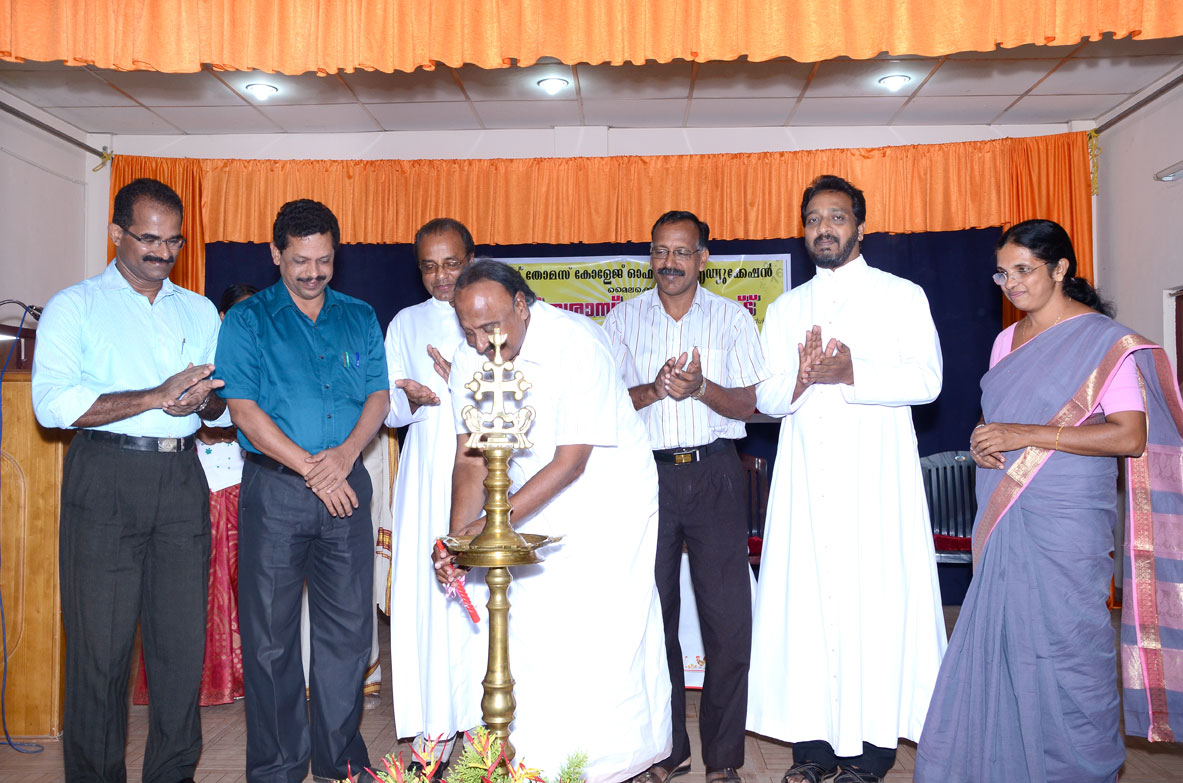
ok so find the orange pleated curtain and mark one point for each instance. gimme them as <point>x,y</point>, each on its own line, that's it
<point>298,36</point>
<point>939,187</point>
<point>185,176</point>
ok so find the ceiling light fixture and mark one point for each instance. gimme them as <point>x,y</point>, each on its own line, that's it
<point>552,84</point>
<point>895,81</point>
<point>1170,173</point>
<point>261,91</point>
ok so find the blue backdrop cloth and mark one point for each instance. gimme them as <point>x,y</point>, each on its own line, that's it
<point>953,268</point>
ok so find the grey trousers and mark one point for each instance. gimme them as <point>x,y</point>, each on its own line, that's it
<point>286,536</point>
<point>133,545</point>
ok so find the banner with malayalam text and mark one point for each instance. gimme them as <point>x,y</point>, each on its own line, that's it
<point>593,285</point>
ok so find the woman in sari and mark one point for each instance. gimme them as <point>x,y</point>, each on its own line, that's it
<point>1027,690</point>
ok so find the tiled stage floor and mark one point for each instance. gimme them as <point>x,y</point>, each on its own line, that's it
<point>222,760</point>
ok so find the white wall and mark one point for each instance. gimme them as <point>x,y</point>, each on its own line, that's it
<point>1140,220</point>
<point>560,142</point>
<point>46,189</point>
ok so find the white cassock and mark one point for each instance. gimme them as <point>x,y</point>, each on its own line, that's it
<point>437,653</point>
<point>587,645</point>
<point>848,631</point>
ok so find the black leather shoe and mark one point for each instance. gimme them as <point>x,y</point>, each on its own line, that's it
<point>808,772</point>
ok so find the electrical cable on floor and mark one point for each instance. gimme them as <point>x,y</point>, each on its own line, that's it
<point>21,747</point>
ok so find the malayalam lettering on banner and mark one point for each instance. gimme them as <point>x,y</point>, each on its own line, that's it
<point>594,285</point>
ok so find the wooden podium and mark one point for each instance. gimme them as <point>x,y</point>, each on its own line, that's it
<point>30,495</point>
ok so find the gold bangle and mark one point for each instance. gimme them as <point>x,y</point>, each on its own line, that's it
<point>1057,446</point>
<point>702,390</point>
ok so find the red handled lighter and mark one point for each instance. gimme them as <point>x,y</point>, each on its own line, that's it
<point>457,587</point>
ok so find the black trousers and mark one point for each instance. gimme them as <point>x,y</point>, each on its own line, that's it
<point>873,759</point>
<point>133,544</point>
<point>286,536</point>
<point>701,506</point>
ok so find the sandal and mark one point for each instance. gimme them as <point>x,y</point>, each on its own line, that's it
<point>659,774</point>
<point>725,775</point>
<point>808,772</point>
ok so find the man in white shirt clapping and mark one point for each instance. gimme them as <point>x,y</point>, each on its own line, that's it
<point>703,353</point>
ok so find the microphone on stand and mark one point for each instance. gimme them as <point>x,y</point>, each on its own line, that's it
<point>33,310</point>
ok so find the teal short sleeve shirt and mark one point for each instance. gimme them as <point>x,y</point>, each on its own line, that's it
<point>311,378</point>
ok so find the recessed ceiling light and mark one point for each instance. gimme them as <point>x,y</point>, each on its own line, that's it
<point>552,84</point>
<point>261,91</point>
<point>895,81</point>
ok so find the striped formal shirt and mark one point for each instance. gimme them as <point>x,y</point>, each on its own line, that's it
<point>728,345</point>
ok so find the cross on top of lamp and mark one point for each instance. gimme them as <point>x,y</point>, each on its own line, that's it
<point>498,428</point>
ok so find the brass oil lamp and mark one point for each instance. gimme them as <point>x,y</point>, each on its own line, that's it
<point>498,547</point>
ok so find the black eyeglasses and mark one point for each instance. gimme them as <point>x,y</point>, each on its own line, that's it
<point>153,242</point>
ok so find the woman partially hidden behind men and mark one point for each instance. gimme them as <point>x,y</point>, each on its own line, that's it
<point>1027,690</point>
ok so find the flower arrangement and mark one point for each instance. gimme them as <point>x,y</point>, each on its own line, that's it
<point>481,761</point>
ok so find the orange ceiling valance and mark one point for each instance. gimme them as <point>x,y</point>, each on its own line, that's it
<point>297,36</point>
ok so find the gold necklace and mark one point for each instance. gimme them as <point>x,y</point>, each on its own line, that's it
<point>1031,325</point>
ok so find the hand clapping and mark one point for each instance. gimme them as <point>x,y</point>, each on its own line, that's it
<point>830,365</point>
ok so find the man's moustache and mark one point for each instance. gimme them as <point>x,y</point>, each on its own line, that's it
<point>671,272</point>
<point>318,279</point>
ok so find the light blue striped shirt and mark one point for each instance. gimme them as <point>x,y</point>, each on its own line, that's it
<point>101,336</point>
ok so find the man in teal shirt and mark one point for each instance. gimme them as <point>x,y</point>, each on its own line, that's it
<point>306,383</point>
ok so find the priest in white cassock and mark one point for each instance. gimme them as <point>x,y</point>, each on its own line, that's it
<point>586,640</point>
<point>437,653</point>
<point>848,631</point>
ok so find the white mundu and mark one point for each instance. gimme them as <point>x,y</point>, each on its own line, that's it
<point>848,631</point>
<point>587,647</point>
<point>437,652</point>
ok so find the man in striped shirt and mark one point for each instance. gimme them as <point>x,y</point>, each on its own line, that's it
<point>704,356</point>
